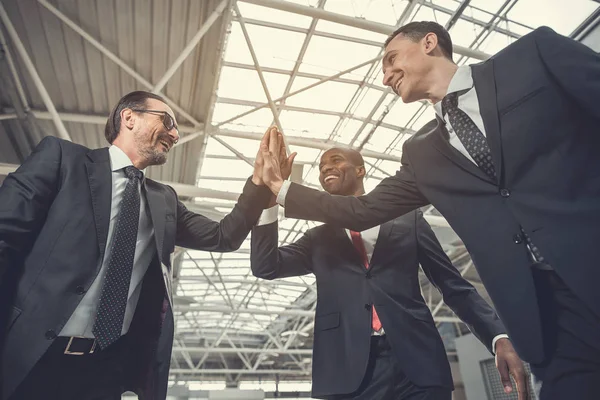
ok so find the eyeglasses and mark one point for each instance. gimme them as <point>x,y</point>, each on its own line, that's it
<point>165,117</point>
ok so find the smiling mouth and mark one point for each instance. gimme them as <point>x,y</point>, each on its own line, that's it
<point>397,87</point>
<point>330,178</point>
<point>165,144</point>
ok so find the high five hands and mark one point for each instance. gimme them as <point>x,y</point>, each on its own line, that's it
<point>272,165</point>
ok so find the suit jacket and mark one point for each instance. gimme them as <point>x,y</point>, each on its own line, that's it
<point>54,216</point>
<point>538,100</point>
<point>346,291</point>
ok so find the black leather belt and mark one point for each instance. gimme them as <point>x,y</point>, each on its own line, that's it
<point>76,346</point>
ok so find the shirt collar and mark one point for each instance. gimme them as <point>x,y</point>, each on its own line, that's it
<point>462,80</point>
<point>119,160</point>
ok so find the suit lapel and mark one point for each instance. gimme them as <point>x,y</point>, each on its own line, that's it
<point>442,144</point>
<point>157,205</point>
<point>385,230</point>
<point>485,85</point>
<point>346,248</point>
<point>100,182</point>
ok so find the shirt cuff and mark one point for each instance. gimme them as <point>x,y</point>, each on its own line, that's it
<point>283,192</point>
<point>268,216</point>
<point>498,337</point>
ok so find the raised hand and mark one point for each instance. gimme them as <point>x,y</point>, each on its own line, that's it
<point>259,161</point>
<point>285,162</point>
<point>274,159</point>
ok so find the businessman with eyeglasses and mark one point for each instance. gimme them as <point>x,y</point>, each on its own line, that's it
<point>85,272</point>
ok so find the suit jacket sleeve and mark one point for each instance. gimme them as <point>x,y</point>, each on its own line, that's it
<point>575,67</point>
<point>393,197</point>
<point>457,293</point>
<point>25,198</point>
<point>270,262</point>
<point>195,231</point>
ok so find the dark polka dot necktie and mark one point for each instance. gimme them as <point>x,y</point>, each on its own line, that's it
<point>477,146</point>
<point>469,134</point>
<point>113,300</point>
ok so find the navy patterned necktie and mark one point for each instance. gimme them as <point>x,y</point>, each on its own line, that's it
<point>469,134</point>
<point>113,300</point>
<point>478,148</point>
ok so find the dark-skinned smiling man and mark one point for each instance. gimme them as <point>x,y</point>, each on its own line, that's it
<point>374,336</point>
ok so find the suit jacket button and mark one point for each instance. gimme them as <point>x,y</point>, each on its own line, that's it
<point>504,192</point>
<point>368,275</point>
<point>50,334</point>
<point>80,290</point>
<point>367,306</point>
<point>518,238</point>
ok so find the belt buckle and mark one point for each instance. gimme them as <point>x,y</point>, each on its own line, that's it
<point>78,353</point>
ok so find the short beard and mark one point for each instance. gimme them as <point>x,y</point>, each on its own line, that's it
<point>149,153</point>
<point>153,156</point>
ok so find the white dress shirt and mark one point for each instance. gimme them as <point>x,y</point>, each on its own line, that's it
<point>369,238</point>
<point>82,320</point>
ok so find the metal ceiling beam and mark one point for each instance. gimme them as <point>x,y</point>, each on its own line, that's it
<point>8,116</point>
<point>300,58</point>
<point>436,7</point>
<point>243,350</point>
<point>208,23</point>
<point>312,85</point>
<point>204,371</point>
<point>12,32</point>
<point>290,28</point>
<point>263,83</point>
<point>350,21</point>
<point>114,58</point>
<point>302,74</point>
<point>14,73</point>
<point>309,110</point>
<point>312,143</point>
<point>98,119</point>
<point>457,14</point>
<point>198,132</point>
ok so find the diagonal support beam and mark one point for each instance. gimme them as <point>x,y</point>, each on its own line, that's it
<point>260,73</point>
<point>14,73</point>
<point>60,127</point>
<point>190,46</point>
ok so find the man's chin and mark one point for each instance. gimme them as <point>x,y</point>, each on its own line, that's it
<point>157,158</point>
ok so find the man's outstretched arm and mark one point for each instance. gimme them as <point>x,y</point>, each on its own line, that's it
<point>393,197</point>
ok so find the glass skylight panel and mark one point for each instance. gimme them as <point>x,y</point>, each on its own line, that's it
<point>491,6</point>
<point>329,56</point>
<point>331,96</point>
<point>347,130</point>
<point>237,83</point>
<point>428,14</point>
<point>463,33</point>
<point>495,42</point>
<point>297,123</point>
<point>253,122</point>
<point>368,100</point>
<point>562,16</point>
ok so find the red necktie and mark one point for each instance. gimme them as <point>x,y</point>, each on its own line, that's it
<point>360,247</point>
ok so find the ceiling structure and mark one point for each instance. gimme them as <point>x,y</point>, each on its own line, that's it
<point>230,69</point>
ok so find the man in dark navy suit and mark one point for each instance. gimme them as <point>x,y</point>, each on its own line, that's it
<point>374,336</point>
<point>511,161</point>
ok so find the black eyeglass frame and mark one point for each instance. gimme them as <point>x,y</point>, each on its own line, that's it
<point>165,116</point>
